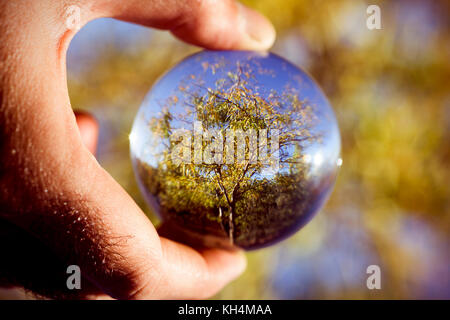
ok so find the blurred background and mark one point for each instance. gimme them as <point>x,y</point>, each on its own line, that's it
<point>390,91</point>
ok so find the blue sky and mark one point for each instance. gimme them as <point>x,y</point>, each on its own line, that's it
<point>282,73</point>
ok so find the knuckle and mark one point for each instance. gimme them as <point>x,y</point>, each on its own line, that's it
<point>145,283</point>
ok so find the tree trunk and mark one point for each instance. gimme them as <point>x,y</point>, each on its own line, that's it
<point>222,225</point>
<point>231,224</point>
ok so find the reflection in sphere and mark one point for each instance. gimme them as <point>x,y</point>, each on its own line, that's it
<point>235,148</point>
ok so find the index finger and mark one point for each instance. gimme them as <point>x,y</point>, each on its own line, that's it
<point>212,24</point>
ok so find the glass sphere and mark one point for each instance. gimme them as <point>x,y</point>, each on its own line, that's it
<point>235,149</point>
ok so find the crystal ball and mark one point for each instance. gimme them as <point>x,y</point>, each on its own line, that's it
<point>235,149</point>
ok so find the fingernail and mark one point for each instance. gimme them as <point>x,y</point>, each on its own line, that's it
<point>257,27</point>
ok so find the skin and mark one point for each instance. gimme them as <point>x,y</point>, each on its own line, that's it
<point>57,205</point>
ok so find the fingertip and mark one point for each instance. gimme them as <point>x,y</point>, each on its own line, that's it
<point>239,262</point>
<point>88,127</point>
<point>226,25</point>
<point>228,263</point>
<point>258,30</point>
<point>198,273</point>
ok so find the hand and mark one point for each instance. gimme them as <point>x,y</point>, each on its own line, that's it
<point>57,205</point>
